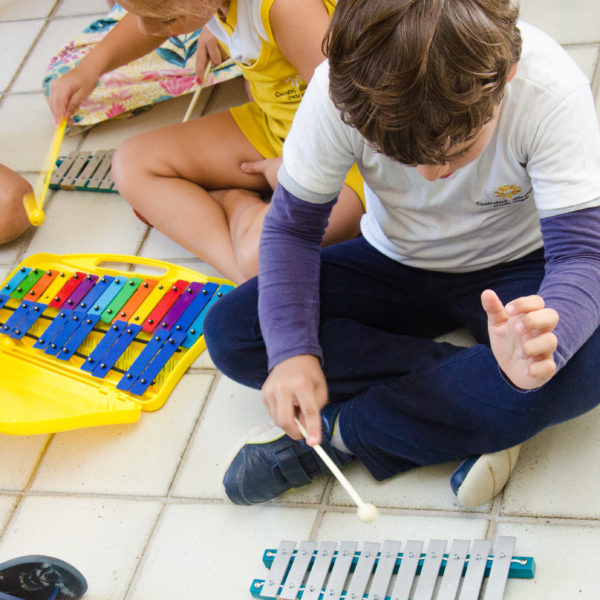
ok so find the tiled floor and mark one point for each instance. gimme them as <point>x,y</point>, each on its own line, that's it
<point>140,508</point>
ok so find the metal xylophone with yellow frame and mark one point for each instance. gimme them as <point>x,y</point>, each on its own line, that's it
<point>90,340</point>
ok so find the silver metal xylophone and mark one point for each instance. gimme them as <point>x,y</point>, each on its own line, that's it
<point>325,572</point>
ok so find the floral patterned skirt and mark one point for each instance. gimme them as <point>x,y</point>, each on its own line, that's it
<point>167,72</point>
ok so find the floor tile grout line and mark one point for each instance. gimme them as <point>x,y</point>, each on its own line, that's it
<point>192,435</point>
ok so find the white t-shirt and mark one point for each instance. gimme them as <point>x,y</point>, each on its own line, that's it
<point>247,39</point>
<point>544,159</point>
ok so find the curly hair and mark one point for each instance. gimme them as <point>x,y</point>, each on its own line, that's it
<point>418,77</point>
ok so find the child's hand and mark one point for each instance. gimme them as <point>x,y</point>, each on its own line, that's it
<point>69,91</point>
<point>268,168</point>
<point>521,338</point>
<point>208,49</point>
<point>296,387</point>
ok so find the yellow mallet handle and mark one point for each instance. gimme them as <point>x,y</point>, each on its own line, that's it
<point>34,202</point>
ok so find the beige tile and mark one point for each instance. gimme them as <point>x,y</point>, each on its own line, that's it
<point>102,537</point>
<point>54,38</point>
<point>233,411</point>
<point>16,41</point>
<point>586,58</point>
<point>32,9</point>
<point>87,222</point>
<point>27,130</point>
<point>577,24</point>
<point>214,551</point>
<point>19,457</point>
<point>7,506</point>
<point>137,459</point>
<point>558,473</point>
<point>566,558</point>
<point>226,94</point>
<point>76,7</point>
<point>346,526</point>
<point>426,488</point>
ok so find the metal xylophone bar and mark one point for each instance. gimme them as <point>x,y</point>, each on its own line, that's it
<point>85,172</point>
<point>173,314</point>
<point>302,573</point>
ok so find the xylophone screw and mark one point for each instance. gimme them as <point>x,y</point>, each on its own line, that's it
<point>109,311</point>
<point>96,307</point>
<point>129,375</point>
<point>156,339</point>
<point>178,327</point>
<point>57,298</point>
<point>219,294</point>
<point>19,289</point>
<point>53,346</point>
<point>22,269</point>
<point>82,305</point>
<point>62,275</point>
<point>150,321</point>
<point>62,315</point>
<point>143,380</point>
<point>88,277</point>
<point>160,286</point>
<point>204,292</point>
<point>122,314</point>
<point>41,340</point>
<point>75,276</point>
<point>456,557</point>
<point>5,328</point>
<point>411,555</point>
<point>23,305</point>
<point>311,588</point>
<point>36,308</point>
<point>103,279</point>
<point>117,280</point>
<point>129,332</point>
<point>88,321</point>
<point>163,324</point>
<point>145,284</point>
<point>174,288</point>
<point>69,302</point>
<point>31,292</point>
<point>18,331</point>
<point>131,283</point>
<point>114,327</point>
<point>103,365</point>
<point>478,557</point>
<point>171,341</point>
<point>65,349</point>
<point>35,271</point>
<point>502,555</point>
<point>48,272</point>
<point>75,318</point>
<point>193,331</point>
<point>90,359</point>
<point>136,318</point>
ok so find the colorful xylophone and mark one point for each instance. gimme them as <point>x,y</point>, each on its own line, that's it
<point>388,573</point>
<point>84,342</point>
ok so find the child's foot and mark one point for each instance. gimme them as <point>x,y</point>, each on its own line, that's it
<point>271,463</point>
<point>41,578</point>
<point>479,479</point>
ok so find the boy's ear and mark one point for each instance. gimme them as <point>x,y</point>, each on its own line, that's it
<point>513,72</point>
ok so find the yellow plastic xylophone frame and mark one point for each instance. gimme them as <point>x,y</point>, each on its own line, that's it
<point>43,394</point>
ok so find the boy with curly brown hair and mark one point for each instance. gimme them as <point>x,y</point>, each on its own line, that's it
<point>479,145</point>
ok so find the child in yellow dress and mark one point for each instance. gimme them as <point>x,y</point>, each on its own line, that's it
<point>187,179</point>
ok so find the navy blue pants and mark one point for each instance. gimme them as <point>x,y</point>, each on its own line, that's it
<point>403,399</point>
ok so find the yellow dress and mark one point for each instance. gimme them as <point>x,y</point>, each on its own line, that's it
<point>276,88</point>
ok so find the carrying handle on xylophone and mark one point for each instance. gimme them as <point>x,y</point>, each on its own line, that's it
<point>33,202</point>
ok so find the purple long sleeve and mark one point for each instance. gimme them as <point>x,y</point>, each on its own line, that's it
<point>289,269</point>
<point>572,282</point>
<point>290,266</point>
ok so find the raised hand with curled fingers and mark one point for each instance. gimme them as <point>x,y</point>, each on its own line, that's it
<point>522,338</point>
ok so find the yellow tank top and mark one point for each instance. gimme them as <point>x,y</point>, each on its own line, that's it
<point>275,84</point>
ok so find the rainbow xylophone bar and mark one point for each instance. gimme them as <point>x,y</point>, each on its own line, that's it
<point>85,344</point>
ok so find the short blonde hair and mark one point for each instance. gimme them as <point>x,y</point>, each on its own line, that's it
<point>159,9</point>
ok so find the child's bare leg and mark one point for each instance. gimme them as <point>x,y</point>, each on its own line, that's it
<point>165,175</point>
<point>246,212</point>
<point>13,218</point>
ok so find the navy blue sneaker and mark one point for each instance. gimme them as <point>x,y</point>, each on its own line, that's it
<point>39,577</point>
<point>271,463</point>
<point>478,479</point>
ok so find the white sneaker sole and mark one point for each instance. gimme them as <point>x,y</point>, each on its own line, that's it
<point>487,477</point>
